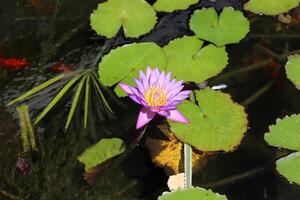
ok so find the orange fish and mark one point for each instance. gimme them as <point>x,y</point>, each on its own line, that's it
<point>61,68</point>
<point>13,63</point>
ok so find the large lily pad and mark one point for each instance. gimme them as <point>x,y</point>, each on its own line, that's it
<point>171,5</point>
<point>230,27</point>
<point>293,69</point>
<point>289,167</point>
<point>285,133</point>
<point>124,63</point>
<point>188,61</point>
<point>100,152</point>
<point>270,7</point>
<point>137,17</point>
<point>218,124</point>
<point>192,194</point>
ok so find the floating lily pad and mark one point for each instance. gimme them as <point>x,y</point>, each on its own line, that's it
<point>218,124</point>
<point>230,27</point>
<point>137,17</point>
<point>171,5</point>
<point>270,7</point>
<point>289,167</point>
<point>285,133</point>
<point>124,63</point>
<point>192,194</point>
<point>101,151</point>
<point>293,69</point>
<point>188,61</point>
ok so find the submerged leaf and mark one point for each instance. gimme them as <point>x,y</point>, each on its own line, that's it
<point>123,63</point>
<point>168,154</point>
<point>270,7</point>
<point>192,194</point>
<point>285,133</point>
<point>188,61</point>
<point>137,17</point>
<point>219,30</point>
<point>292,68</point>
<point>171,5</point>
<point>101,151</point>
<point>289,167</point>
<point>211,128</point>
<point>27,132</point>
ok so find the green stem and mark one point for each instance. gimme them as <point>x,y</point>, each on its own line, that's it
<point>188,166</point>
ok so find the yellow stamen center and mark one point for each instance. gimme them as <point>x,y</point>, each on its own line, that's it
<point>156,96</point>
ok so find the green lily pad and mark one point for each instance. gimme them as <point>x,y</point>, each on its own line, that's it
<point>188,61</point>
<point>171,5</point>
<point>102,151</point>
<point>124,63</point>
<point>270,7</point>
<point>218,124</point>
<point>292,68</point>
<point>285,133</point>
<point>192,194</point>
<point>137,17</point>
<point>289,167</point>
<point>230,27</point>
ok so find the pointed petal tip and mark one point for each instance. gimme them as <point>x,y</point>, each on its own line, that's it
<point>176,116</point>
<point>125,88</point>
<point>145,116</point>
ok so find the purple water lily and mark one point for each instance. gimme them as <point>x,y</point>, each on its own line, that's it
<point>158,94</point>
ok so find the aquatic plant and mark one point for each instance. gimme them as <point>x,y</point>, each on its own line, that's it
<point>158,94</point>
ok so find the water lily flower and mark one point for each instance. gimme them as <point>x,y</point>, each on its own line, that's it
<point>158,94</point>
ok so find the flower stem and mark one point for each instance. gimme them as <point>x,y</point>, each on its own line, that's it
<point>188,165</point>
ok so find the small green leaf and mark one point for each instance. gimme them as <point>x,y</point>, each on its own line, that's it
<point>285,133</point>
<point>37,89</point>
<point>292,68</point>
<point>270,7</point>
<point>171,5</point>
<point>75,101</point>
<point>136,16</point>
<point>57,98</point>
<point>86,100</point>
<point>289,167</point>
<point>219,30</point>
<point>188,61</point>
<point>192,194</point>
<point>101,151</point>
<point>123,63</point>
<point>217,124</point>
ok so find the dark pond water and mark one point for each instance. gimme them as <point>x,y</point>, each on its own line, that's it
<point>47,32</point>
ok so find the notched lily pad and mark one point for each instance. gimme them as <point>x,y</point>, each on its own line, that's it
<point>188,61</point>
<point>220,30</point>
<point>102,151</point>
<point>137,17</point>
<point>270,7</point>
<point>124,63</point>
<point>218,124</point>
<point>292,68</point>
<point>285,133</point>
<point>192,194</point>
<point>289,167</point>
<point>171,5</point>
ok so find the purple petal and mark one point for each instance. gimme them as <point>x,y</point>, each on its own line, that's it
<point>137,99</point>
<point>145,116</point>
<point>140,86</point>
<point>164,113</point>
<point>161,79</point>
<point>174,91</point>
<point>152,79</point>
<point>126,88</point>
<point>143,79</point>
<point>176,116</point>
<point>168,78</point>
<point>148,73</point>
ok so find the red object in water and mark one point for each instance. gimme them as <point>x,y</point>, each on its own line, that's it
<point>22,166</point>
<point>61,68</point>
<point>13,63</point>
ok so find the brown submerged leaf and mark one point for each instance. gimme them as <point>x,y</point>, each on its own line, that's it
<point>168,154</point>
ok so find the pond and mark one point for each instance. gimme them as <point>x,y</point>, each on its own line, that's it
<point>43,39</point>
